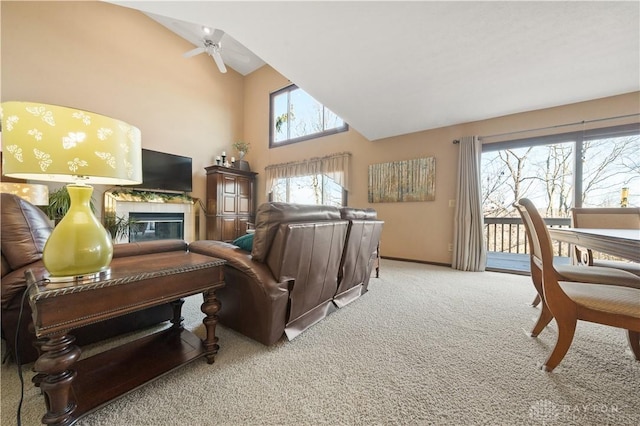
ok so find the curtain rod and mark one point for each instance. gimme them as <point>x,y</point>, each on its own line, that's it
<point>554,127</point>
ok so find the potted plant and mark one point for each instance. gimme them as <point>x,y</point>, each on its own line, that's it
<point>242,147</point>
<point>59,203</point>
<point>118,226</point>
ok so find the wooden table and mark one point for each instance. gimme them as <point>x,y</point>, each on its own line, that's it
<point>74,389</point>
<point>624,243</point>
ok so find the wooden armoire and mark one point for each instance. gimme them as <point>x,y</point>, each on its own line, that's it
<point>230,202</point>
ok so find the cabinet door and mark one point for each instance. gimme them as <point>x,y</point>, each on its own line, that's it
<point>229,195</point>
<point>230,203</point>
<point>244,196</point>
<point>214,188</point>
<point>228,228</point>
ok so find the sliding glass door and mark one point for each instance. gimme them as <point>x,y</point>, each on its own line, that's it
<point>596,168</point>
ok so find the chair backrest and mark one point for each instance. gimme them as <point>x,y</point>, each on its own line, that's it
<point>25,230</point>
<point>360,251</point>
<point>606,218</point>
<point>602,218</point>
<point>270,216</point>
<point>541,248</point>
<point>303,245</point>
<point>534,248</point>
<point>542,256</point>
<point>23,234</point>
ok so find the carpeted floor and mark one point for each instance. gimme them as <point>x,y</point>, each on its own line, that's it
<point>426,345</point>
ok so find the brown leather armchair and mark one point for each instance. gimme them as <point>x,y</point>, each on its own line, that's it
<point>359,256</point>
<point>25,230</point>
<point>288,281</point>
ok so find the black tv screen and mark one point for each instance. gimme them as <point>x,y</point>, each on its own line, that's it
<point>167,172</point>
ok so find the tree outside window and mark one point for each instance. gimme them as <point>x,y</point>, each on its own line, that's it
<point>295,117</point>
<point>557,173</point>
<point>547,174</point>
<point>316,189</point>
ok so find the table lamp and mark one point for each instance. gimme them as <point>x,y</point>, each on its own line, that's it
<point>55,143</point>
<point>36,194</point>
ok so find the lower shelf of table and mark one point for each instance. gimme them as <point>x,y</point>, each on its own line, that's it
<point>118,371</point>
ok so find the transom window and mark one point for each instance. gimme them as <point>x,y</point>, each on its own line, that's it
<point>295,117</point>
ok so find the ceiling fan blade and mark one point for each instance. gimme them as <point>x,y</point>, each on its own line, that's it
<point>219,62</point>
<point>217,36</point>
<point>193,52</point>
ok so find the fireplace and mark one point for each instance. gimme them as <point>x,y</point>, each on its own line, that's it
<point>156,226</point>
<point>160,216</point>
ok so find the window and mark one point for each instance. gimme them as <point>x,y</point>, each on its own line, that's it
<point>591,168</point>
<point>611,172</point>
<point>313,189</point>
<point>295,117</point>
<point>596,168</point>
<point>319,180</point>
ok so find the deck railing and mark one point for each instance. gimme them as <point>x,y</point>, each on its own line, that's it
<point>508,235</point>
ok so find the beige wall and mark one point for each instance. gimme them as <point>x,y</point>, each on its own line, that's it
<point>118,62</point>
<point>419,230</point>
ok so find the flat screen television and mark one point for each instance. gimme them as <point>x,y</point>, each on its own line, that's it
<point>165,172</point>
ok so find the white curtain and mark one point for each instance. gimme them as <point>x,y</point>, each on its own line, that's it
<point>469,253</point>
<point>335,166</point>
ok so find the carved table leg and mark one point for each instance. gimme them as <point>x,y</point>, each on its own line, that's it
<point>59,355</point>
<point>177,313</point>
<point>38,377</point>
<point>210,308</point>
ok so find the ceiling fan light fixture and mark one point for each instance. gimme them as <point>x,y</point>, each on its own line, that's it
<point>212,46</point>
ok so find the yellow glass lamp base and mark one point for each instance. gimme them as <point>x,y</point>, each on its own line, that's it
<point>79,244</point>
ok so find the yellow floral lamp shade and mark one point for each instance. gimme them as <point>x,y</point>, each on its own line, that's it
<point>55,143</point>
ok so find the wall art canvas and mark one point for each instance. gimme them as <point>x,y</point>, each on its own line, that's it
<point>400,181</point>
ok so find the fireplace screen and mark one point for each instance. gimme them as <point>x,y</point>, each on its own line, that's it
<point>156,226</point>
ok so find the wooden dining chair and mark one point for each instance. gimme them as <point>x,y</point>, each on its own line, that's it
<point>576,273</point>
<point>567,302</point>
<point>605,218</point>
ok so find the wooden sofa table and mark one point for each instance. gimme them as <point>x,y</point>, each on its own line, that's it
<point>74,389</point>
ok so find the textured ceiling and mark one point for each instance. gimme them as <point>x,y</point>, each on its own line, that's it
<point>390,68</point>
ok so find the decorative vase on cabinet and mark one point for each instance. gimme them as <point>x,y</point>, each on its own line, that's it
<point>230,202</point>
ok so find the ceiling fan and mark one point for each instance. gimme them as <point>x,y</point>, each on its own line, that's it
<point>212,46</point>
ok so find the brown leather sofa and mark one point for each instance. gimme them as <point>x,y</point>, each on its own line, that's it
<point>24,232</point>
<point>360,253</point>
<point>289,280</point>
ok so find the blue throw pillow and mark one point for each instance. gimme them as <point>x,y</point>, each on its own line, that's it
<point>245,242</point>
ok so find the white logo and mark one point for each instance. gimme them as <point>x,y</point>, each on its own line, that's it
<point>544,411</point>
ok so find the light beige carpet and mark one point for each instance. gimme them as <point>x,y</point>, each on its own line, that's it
<point>426,345</point>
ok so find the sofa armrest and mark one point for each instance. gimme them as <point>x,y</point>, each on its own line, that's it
<point>242,261</point>
<point>253,301</point>
<point>148,247</point>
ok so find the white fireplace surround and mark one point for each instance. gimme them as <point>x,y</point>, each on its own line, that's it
<point>122,205</point>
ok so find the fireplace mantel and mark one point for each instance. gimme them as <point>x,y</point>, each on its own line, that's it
<point>121,202</point>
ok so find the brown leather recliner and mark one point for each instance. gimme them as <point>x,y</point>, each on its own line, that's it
<point>288,281</point>
<point>359,254</point>
<point>25,229</point>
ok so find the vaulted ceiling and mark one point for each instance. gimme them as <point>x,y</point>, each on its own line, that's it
<point>391,68</point>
